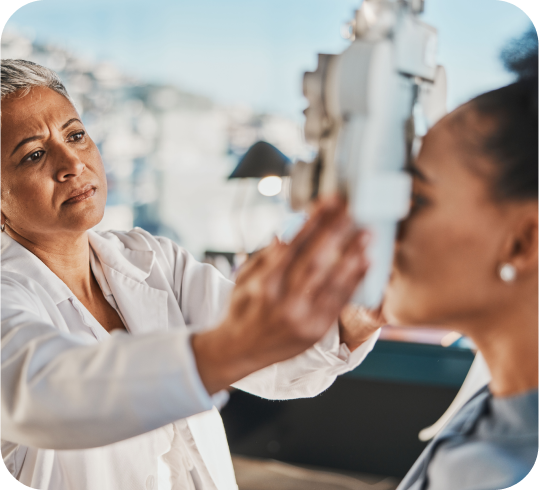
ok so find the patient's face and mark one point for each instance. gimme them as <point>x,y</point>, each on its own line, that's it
<point>445,269</point>
<point>48,159</point>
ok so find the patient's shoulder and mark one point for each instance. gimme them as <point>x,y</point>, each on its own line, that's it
<point>480,465</point>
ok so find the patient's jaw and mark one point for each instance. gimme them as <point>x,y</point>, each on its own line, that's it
<point>450,248</point>
<point>54,182</point>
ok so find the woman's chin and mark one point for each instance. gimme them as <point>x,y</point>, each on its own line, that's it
<point>399,310</point>
<point>392,316</point>
<point>85,221</point>
<point>408,313</point>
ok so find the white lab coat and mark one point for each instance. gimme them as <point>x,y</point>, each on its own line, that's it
<point>127,411</point>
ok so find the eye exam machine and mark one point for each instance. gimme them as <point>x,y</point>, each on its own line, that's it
<point>368,108</point>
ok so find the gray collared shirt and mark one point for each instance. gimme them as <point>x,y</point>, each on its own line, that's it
<point>490,444</point>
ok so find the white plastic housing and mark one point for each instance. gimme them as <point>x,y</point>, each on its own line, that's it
<point>360,116</point>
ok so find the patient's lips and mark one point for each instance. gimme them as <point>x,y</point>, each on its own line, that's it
<point>81,194</point>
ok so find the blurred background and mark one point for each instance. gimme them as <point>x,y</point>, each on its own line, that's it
<point>174,92</point>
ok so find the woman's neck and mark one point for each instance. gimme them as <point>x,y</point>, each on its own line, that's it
<point>68,257</point>
<point>509,345</point>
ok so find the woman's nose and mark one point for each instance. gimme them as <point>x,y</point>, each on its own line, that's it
<point>69,165</point>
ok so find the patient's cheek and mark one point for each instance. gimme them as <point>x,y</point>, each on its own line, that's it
<point>391,309</point>
<point>399,263</point>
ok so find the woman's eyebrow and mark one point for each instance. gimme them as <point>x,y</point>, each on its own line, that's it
<point>26,140</point>
<point>71,121</point>
<point>39,137</point>
<point>415,172</point>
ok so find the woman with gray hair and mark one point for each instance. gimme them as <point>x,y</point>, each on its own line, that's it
<point>117,347</point>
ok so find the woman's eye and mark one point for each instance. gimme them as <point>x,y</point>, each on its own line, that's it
<point>77,136</point>
<point>34,157</point>
<point>418,201</point>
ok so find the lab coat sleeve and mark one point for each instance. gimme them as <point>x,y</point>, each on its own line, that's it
<point>309,373</point>
<point>61,392</point>
<point>203,293</point>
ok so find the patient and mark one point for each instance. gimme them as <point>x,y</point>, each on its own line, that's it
<point>466,259</point>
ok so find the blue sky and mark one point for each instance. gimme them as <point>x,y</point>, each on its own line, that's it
<point>254,52</point>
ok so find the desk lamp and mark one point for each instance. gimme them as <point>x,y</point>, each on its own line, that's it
<point>265,162</point>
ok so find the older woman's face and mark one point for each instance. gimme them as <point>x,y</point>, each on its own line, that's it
<point>53,180</point>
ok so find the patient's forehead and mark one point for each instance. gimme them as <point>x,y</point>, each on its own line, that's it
<point>461,138</point>
<point>471,129</point>
<point>452,163</point>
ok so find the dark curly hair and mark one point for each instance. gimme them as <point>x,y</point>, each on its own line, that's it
<point>513,144</point>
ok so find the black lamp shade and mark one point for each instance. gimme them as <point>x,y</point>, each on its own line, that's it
<point>261,160</point>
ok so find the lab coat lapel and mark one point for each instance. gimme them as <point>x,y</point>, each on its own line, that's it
<point>144,308</point>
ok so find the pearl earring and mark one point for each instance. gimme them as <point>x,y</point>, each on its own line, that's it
<point>508,272</point>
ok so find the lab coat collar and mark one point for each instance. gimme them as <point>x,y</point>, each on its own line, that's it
<point>17,258</point>
<point>135,264</point>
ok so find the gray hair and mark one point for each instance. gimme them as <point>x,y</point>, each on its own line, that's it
<point>23,75</point>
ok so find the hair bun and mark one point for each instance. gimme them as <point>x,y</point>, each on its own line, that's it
<point>520,56</point>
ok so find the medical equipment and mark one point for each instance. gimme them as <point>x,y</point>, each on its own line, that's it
<point>368,108</point>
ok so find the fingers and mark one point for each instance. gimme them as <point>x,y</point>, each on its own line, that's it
<point>257,260</point>
<point>270,265</point>
<point>319,249</point>
<point>338,287</point>
<point>317,310</point>
<point>322,254</point>
<point>347,274</point>
<point>325,212</point>
<point>305,264</point>
<point>316,274</point>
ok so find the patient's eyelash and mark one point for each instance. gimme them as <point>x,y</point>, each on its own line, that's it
<point>418,201</point>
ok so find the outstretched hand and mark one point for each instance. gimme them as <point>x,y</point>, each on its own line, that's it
<point>286,298</point>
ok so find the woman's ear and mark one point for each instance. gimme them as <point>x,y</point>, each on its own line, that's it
<point>523,249</point>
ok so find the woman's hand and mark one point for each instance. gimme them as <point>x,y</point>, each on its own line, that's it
<point>357,324</point>
<point>286,298</point>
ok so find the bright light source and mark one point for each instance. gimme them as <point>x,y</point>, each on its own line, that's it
<point>270,186</point>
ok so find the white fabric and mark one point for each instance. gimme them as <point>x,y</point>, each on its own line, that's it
<point>127,411</point>
<point>478,377</point>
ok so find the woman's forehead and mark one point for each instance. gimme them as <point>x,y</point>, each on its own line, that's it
<point>38,103</point>
<point>451,151</point>
<point>40,107</point>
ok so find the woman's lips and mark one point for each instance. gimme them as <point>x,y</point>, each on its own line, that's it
<point>81,195</point>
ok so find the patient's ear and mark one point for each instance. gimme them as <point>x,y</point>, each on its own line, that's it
<point>522,245</point>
